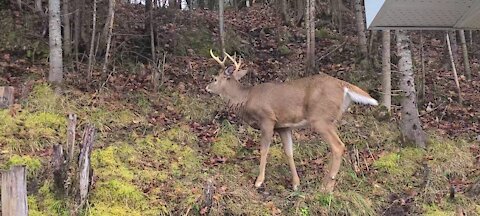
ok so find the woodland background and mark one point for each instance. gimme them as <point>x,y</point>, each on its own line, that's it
<point>136,73</point>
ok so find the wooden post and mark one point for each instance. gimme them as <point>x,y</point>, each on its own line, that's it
<point>6,96</point>
<point>84,164</point>
<point>14,191</point>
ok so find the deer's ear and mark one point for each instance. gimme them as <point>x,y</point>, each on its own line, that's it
<point>239,74</point>
<point>229,71</point>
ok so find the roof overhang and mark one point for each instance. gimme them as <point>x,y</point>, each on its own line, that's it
<point>423,14</point>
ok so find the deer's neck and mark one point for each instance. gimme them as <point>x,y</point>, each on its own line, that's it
<point>237,95</point>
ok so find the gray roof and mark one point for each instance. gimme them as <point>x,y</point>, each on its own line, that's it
<point>423,14</point>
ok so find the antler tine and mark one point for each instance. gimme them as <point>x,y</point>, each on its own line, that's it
<point>237,64</point>
<point>222,63</point>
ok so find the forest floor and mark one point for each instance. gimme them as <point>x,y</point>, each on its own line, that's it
<point>157,151</point>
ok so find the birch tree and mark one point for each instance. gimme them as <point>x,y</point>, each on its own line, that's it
<point>222,26</point>
<point>109,24</point>
<point>360,23</point>
<point>66,29</point>
<point>410,125</point>
<point>55,43</point>
<point>466,63</point>
<point>310,27</point>
<point>386,71</point>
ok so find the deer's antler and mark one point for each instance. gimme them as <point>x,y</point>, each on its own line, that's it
<point>222,63</point>
<point>237,64</point>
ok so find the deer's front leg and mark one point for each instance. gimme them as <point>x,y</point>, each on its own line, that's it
<point>267,134</point>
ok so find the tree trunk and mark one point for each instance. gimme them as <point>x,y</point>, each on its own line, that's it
<point>66,29</point>
<point>111,16</point>
<point>38,7</point>
<point>454,69</point>
<point>55,43</point>
<point>310,27</point>
<point>222,26</point>
<point>148,10</point>
<point>411,126</point>
<point>211,4</point>
<point>466,63</point>
<point>360,22</point>
<point>77,28</point>
<point>422,63</point>
<point>201,4</point>
<point>283,7</point>
<point>470,33</point>
<point>454,45</point>
<point>92,42</point>
<point>386,70</point>
<point>14,192</point>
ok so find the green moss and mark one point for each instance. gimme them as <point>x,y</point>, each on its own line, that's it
<point>388,163</point>
<point>181,134</point>
<point>433,210</point>
<point>33,164</point>
<point>224,146</point>
<point>192,108</point>
<point>33,209</point>
<point>32,131</point>
<point>322,33</point>
<point>43,98</point>
<point>111,162</point>
<point>48,203</point>
<point>284,50</point>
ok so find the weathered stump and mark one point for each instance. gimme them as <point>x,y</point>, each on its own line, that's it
<point>6,96</point>
<point>14,191</point>
<point>84,164</point>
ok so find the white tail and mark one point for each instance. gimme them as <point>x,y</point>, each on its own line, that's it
<point>358,98</point>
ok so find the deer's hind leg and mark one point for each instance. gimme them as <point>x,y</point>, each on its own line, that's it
<point>328,132</point>
<point>286,136</point>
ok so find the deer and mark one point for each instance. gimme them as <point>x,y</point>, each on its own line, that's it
<point>316,101</point>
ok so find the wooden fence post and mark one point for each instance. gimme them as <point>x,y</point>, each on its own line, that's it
<point>14,191</point>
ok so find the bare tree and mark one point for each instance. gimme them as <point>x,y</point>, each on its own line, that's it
<point>283,8</point>
<point>310,26</point>
<point>55,43</point>
<point>39,7</point>
<point>66,29</point>
<point>360,22</point>
<point>466,63</point>
<point>77,21</point>
<point>222,26</point>
<point>92,41</point>
<point>454,69</point>
<point>386,70</point>
<point>411,126</point>
<point>111,16</point>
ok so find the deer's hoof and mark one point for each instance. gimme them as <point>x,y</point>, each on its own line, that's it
<point>328,185</point>
<point>258,184</point>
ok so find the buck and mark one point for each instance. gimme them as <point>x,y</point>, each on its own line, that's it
<point>317,101</point>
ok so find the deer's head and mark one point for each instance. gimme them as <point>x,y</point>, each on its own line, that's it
<point>227,76</point>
